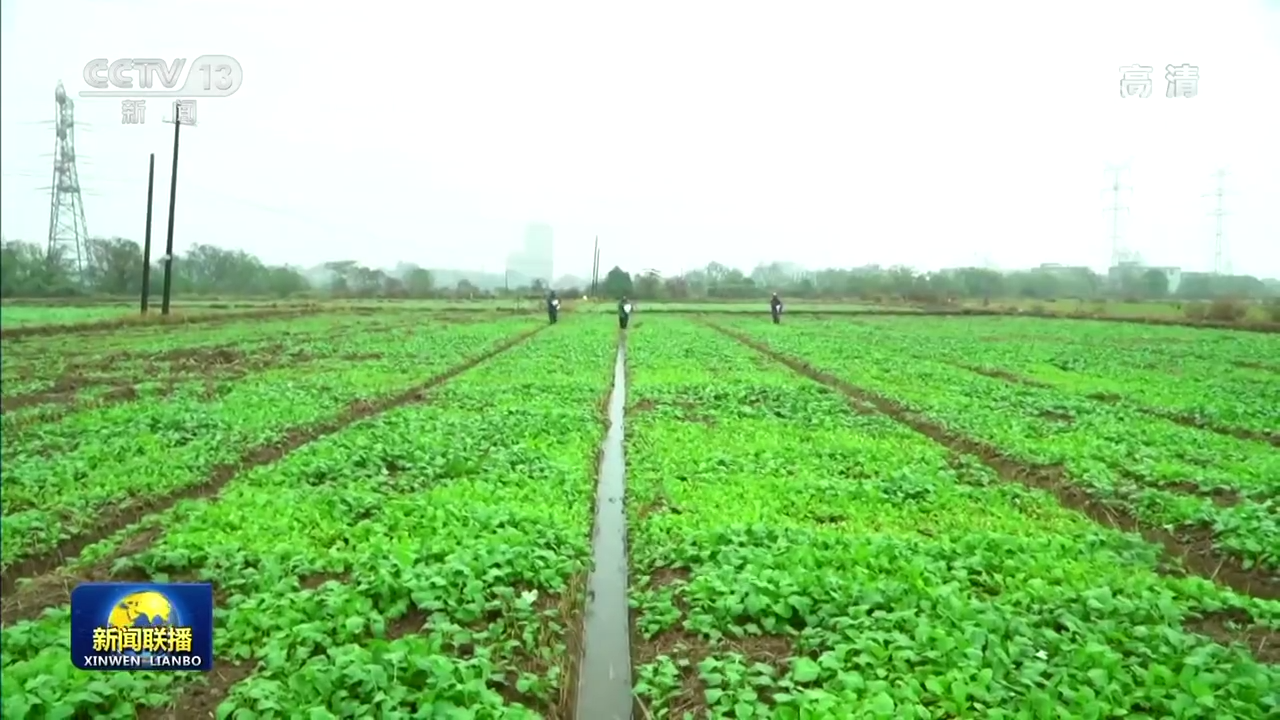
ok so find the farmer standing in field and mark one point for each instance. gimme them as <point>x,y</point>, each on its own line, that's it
<point>553,307</point>
<point>775,308</point>
<point>624,312</point>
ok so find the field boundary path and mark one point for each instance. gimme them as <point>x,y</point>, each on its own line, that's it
<point>1198,556</point>
<point>604,679</point>
<point>50,588</point>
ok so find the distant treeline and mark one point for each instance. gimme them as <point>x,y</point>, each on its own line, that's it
<point>904,283</point>
<point>114,268</point>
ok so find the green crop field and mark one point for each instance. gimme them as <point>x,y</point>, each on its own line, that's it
<point>836,517</point>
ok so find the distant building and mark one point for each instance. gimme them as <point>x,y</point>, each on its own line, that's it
<point>1132,270</point>
<point>1173,275</point>
<point>1063,270</point>
<point>534,262</point>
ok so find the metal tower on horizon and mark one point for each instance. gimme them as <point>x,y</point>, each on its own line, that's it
<point>1118,253</point>
<point>1221,263</point>
<point>68,234</point>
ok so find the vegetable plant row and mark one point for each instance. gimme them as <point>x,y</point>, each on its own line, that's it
<point>1215,490</point>
<point>426,562</point>
<point>33,364</point>
<point>825,540</point>
<point>1222,379</point>
<point>794,555</point>
<point>65,480</point>
<point>48,378</point>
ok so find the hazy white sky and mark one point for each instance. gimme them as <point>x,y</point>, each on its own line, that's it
<point>823,133</point>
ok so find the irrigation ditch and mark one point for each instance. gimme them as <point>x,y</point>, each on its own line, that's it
<point>604,672</point>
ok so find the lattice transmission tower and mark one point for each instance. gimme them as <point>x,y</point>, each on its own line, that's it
<point>68,234</point>
<point>1119,253</point>
<point>1221,259</point>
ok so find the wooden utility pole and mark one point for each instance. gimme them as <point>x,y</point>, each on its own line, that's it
<point>146,246</point>
<point>595,269</point>
<point>173,199</point>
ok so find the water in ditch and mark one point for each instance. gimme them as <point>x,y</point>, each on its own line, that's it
<point>604,674</point>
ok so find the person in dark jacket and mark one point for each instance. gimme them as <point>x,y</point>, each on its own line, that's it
<point>553,307</point>
<point>775,308</point>
<point>624,312</point>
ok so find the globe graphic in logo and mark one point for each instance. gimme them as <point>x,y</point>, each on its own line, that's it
<point>143,609</point>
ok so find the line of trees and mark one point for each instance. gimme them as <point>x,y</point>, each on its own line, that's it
<point>718,281</point>
<point>115,269</point>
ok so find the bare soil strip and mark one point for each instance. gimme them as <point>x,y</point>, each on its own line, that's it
<point>1193,546</point>
<point>65,391</point>
<point>50,588</point>
<point>1272,439</point>
<point>1004,375</point>
<point>201,700</point>
<point>1259,366</point>
<point>1234,625</point>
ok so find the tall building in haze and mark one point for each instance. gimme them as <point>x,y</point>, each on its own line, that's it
<point>538,248</point>
<point>534,262</point>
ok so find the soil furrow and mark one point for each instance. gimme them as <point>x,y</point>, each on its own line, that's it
<point>1004,375</point>
<point>1193,546</point>
<point>66,401</point>
<point>50,588</point>
<point>1259,366</point>
<point>1272,439</point>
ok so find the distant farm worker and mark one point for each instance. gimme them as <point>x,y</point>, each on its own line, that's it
<point>553,307</point>
<point>775,308</point>
<point>624,312</point>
